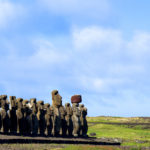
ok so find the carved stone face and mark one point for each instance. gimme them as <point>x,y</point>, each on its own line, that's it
<point>67,105</point>
<point>33,100</point>
<point>75,104</point>
<point>12,101</point>
<point>19,103</point>
<point>56,98</point>
<point>25,103</point>
<point>47,105</point>
<point>5,104</point>
<point>40,105</point>
<point>81,105</point>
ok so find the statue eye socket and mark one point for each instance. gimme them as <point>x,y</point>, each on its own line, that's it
<point>56,93</point>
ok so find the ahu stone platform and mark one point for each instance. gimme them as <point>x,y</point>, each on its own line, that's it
<point>11,139</point>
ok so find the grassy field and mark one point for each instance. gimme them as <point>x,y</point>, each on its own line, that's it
<point>54,147</point>
<point>133,133</point>
<point>130,131</point>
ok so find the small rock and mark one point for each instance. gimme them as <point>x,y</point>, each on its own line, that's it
<point>116,140</point>
<point>93,134</point>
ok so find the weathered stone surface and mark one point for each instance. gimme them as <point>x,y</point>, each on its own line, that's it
<point>41,117</point>
<point>56,103</point>
<point>5,122</point>
<point>76,99</point>
<point>12,115</point>
<point>68,118</point>
<point>56,98</point>
<point>34,124</point>
<point>76,119</point>
<point>27,118</point>
<point>84,126</point>
<point>63,121</point>
<point>48,119</point>
<point>20,116</point>
<point>32,117</point>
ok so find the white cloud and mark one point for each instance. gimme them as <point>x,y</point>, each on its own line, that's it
<point>97,37</point>
<point>46,53</point>
<point>9,12</point>
<point>84,8</point>
<point>139,46</point>
<point>108,63</point>
<point>99,64</point>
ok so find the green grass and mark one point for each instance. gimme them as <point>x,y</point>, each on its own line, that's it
<point>130,135</point>
<point>134,137</point>
<point>119,119</point>
<point>55,147</point>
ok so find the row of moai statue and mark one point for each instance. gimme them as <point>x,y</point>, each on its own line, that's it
<point>36,118</point>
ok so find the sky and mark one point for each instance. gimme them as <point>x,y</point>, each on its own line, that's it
<point>97,48</point>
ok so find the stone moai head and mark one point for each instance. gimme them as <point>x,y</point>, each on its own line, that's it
<point>81,105</point>
<point>4,97</point>
<point>56,99</point>
<point>40,105</point>
<point>32,101</point>
<point>33,105</point>
<point>47,106</point>
<point>4,102</point>
<point>75,104</point>
<point>68,109</point>
<point>19,103</point>
<point>0,99</point>
<point>83,109</point>
<point>12,101</point>
<point>25,103</point>
<point>67,105</point>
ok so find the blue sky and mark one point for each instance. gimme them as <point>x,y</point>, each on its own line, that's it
<point>97,48</point>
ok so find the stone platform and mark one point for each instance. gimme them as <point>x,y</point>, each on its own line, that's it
<point>5,139</point>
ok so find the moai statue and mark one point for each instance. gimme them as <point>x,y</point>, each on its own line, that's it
<point>84,126</point>
<point>56,103</point>
<point>27,117</point>
<point>12,114</point>
<point>41,117</point>
<point>4,115</point>
<point>34,109</point>
<point>0,114</point>
<point>75,100</point>
<point>68,119</point>
<point>63,120</point>
<point>20,116</point>
<point>48,119</point>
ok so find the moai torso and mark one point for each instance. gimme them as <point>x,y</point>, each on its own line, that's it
<point>48,114</point>
<point>76,119</point>
<point>76,99</point>
<point>25,108</point>
<point>41,117</point>
<point>84,126</point>
<point>33,106</point>
<point>63,121</point>
<point>27,117</point>
<point>12,114</point>
<point>34,120</point>
<point>19,111</point>
<point>69,113</point>
<point>48,119</point>
<point>41,112</point>
<point>4,115</point>
<point>56,103</point>
<point>62,112</point>
<point>68,117</point>
<point>20,116</point>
